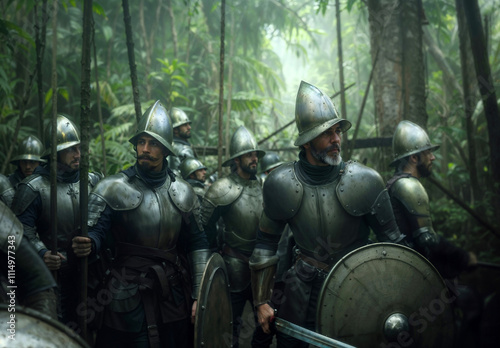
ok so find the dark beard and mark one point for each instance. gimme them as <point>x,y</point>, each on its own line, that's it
<point>248,170</point>
<point>423,170</point>
<point>184,135</point>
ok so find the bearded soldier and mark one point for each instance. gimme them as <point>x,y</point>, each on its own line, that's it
<point>149,218</point>
<point>328,204</point>
<point>28,158</point>
<point>32,206</point>
<point>194,172</point>
<point>237,199</point>
<point>6,190</point>
<point>413,158</point>
<point>182,132</point>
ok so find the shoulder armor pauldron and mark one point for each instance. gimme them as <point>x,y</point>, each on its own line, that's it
<point>359,188</point>
<point>412,194</point>
<point>27,192</point>
<point>10,227</point>
<point>94,178</point>
<point>223,192</point>
<point>182,194</point>
<point>118,193</point>
<point>282,192</point>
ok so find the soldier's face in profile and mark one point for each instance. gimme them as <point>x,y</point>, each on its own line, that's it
<point>184,131</point>
<point>248,162</point>
<point>200,175</point>
<point>325,148</point>
<point>70,157</point>
<point>150,153</point>
<point>27,167</point>
<point>424,165</point>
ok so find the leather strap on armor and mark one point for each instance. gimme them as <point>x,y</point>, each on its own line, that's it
<point>226,249</point>
<point>148,261</point>
<point>313,262</point>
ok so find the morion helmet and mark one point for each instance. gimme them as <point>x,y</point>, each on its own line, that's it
<point>189,166</point>
<point>315,113</point>
<point>156,123</point>
<point>179,117</point>
<point>31,149</point>
<point>242,142</point>
<point>270,161</point>
<point>68,135</point>
<point>409,139</point>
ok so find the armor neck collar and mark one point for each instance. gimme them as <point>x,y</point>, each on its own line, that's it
<point>195,183</point>
<point>62,176</point>
<point>153,179</point>
<point>181,140</point>
<point>317,175</point>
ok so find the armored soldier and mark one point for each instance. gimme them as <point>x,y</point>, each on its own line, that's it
<point>6,190</point>
<point>194,172</point>
<point>413,157</point>
<point>149,219</point>
<point>329,205</point>
<point>32,206</point>
<point>237,199</point>
<point>182,132</point>
<point>27,159</point>
<point>270,161</point>
<point>22,269</point>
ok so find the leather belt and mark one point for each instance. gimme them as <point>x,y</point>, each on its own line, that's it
<point>226,249</point>
<point>315,263</point>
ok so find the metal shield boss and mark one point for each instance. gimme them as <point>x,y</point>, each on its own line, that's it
<point>29,328</point>
<point>386,295</point>
<point>213,322</point>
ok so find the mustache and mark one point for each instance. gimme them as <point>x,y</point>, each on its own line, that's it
<point>151,158</point>
<point>332,147</point>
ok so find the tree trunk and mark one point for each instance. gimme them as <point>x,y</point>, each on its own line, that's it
<point>221,84</point>
<point>131,59</point>
<point>399,79</point>
<point>40,30</point>
<point>343,111</point>
<point>147,48</point>
<point>99,109</point>
<point>172,28</point>
<point>84,161</point>
<point>229,85</point>
<point>53,150</point>
<point>486,88</point>
<point>469,97</point>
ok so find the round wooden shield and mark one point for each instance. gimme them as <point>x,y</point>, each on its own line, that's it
<point>386,295</point>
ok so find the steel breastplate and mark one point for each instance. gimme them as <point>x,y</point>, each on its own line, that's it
<point>182,151</point>
<point>155,223</point>
<point>320,224</point>
<point>68,211</point>
<point>242,219</point>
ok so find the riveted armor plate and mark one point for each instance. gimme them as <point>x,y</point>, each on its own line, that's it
<point>359,188</point>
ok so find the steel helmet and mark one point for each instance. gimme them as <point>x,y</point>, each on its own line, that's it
<point>179,117</point>
<point>242,142</point>
<point>156,123</point>
<point>31,149</point>
<point>409,139</point>
<point>270,161</point>
<point>68,135</point>
<point>315,113</point>
<point>189,166</point>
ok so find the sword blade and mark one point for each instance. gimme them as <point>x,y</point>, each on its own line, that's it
<point>308,336</point>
